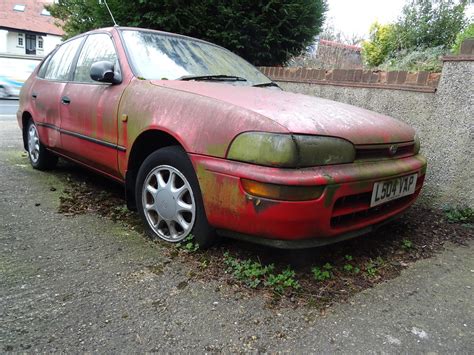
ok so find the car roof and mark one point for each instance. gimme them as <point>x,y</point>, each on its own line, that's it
<point>122,28</point>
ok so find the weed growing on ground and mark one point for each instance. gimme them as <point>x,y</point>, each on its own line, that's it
<point>188,244</point>
<point>371,269</point>
<point>322,274</point>
<point>349,268</point>
<point>284,280</point>
<point>460,215</point>
<point>204,263</point>
<point>254,274</point>
<point>407,244</point>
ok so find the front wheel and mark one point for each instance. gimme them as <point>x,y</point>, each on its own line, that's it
<point>169,198</point>
<point>40,157</point>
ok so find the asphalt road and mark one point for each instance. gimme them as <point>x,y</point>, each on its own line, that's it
<point>84,283</point>
<point>8,107</point>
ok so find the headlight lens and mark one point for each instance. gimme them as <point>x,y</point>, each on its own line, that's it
<point>290,151</point>
<point>416,148</point>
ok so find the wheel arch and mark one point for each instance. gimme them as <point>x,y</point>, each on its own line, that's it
<point>146,143</point>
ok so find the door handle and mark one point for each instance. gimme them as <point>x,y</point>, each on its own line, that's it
<point>34,95</point>
<point>65,100</point>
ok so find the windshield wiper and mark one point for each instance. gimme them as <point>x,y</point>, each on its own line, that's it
<point>262,85</point>
<point>217,77</point>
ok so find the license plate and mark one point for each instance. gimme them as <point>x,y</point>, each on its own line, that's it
<point>389,190</point>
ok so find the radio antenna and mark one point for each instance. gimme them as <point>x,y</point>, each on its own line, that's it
<point>108,9</point>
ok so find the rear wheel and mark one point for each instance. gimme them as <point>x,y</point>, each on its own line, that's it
<point>169,198</point>
<point>40,157</point>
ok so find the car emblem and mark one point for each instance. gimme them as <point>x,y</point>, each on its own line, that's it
<point>393,150</point>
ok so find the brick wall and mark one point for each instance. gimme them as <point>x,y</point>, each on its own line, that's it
<point>396,80</point>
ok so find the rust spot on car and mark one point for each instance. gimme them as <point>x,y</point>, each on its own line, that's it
<point>260,204</point>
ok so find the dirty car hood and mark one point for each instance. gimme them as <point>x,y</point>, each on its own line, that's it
<point>304,114</point>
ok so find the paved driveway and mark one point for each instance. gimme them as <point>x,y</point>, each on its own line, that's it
<point>85,283</point>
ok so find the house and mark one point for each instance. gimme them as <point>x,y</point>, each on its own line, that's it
<point>27,28</point>
<point>338,55</point>
<point>326,54</point>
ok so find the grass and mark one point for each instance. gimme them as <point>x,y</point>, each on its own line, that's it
<point>460,215</point>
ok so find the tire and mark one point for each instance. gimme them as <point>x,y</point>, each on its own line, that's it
<point>169,199</point>
<point>40,157</point>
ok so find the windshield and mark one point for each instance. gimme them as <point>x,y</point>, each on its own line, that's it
<point>167,57</point>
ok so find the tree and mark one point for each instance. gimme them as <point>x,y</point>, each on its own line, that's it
<point>382,41</point>
<point>263,32</point>
<point>430,23</point>
<point>427,27</point>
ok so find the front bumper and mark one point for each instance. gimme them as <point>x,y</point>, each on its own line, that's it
<point>342,210</point>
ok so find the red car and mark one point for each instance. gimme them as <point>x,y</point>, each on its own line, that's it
<point>205,144</point>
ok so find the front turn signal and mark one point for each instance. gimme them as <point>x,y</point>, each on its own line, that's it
<point>282,192</point>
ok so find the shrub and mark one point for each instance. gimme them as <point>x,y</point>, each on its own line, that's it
<point>467,33</point>
<point>424,29</point>
<point>428,59</point>
<point>430,23</point>
<point>382,42</point>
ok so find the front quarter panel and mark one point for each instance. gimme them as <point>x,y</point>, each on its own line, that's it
<point>201,124</point>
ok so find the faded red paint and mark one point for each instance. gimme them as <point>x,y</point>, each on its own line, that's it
<point>232,209</point>
<point>204,118</point>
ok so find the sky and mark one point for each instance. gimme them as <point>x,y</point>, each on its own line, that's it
<point>356,16</point>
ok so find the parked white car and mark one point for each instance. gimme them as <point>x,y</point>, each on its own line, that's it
<point>8,91</point>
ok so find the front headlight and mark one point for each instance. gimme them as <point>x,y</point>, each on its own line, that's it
<point>417,146</point>
<point>290,150</point>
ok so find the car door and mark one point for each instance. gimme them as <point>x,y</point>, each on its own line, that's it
<point>89,109</point>
<point>47,89</point>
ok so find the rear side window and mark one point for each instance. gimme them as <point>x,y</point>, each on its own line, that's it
<point>44,66</point>
<point>59,66</point>
<point>98,47</point>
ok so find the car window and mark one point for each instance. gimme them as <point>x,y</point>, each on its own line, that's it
<point>44,66</point>
<point>59,66</point>
<point>98,47</point>
<point>160,56</point>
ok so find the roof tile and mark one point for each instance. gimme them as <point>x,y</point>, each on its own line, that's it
<point>30,19</point>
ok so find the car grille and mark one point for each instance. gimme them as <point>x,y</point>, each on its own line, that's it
<point>382,151</point>
<point>355,209</point>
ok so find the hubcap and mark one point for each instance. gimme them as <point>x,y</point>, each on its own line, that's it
<point>33,143</point>
<point>168,203</point>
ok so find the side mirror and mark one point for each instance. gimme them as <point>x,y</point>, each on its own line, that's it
<point>104,72</point>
